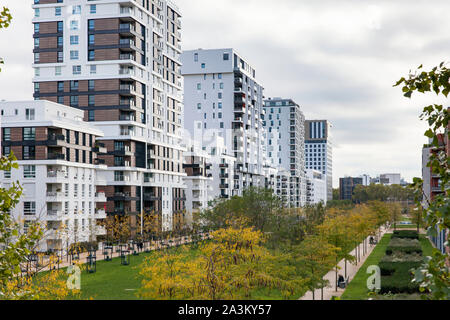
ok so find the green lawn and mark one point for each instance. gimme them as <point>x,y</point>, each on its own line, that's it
<point>357,289</point>
<point>112,281</point>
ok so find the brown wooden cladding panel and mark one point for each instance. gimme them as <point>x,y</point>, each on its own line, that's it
<point>48,27</point>
<point>107,24</point>
<point>16,134</point>
<point>41,152</point>
<point>48,43</point>
<point>41,133</point>
<point>106,85</point>
<point>107,39</point>
<point>106,54</point>
<point>48,57</point>
<point>48,87</point>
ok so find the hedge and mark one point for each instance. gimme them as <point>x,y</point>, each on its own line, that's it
<point>405,234</point>
<point>396,277</point>
<point>404,245</point>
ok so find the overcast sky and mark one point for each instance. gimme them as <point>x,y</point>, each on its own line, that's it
<point>338,59</point>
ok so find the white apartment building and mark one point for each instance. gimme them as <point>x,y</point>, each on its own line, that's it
<point>285,124</point>
<point>319,150</point>
<point>316,187</point>
<point>366,179</point>
<point>62,179</point>
<point>198,180</point>
<point>223,97</point>
<point>119,62</point>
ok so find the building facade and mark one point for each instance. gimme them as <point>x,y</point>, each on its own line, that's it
<point>119,62</point>
<point>347,186</point>
<point>59,169</point>
<point>316,191</point>
<point>319,150</point>
<point>285,125</point>
<point>223,98</point>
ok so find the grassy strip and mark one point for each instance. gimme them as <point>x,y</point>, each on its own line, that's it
<point>357,289</point>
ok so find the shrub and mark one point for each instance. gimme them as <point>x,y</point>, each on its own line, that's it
<point>404,245</point>
<point>396,277</point>
<point>400,256</point>
<point>405,234</point>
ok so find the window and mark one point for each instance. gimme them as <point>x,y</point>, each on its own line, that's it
<point>91,55</point>
<point>221,125</point>
<point>37,72</point>
<point>91,115</point>
<point>220,95</point>
<point>36,42</point>
<point>220,105</point>
<point>29,171</point>
<point>36,87</point>
<point>29,208</point>
<point>36,57</point>
<point>74,55</point>
<point>29,114</point>
<point>226,56</point>
<point>91,100</point>
<point>93,69</point>
<point>196,57</point>
<point>60,26</point>
<point>199,106</point>
<point>91,39</point>
<point>74,25</point>
<point>60,86</point>
<point>29,134</point>
<point>221,85</point>
<point>203,66</point>
<point>74,85</point>
<point>60,42</point>
<point>91,24</point>
<point>57,71</point>
<point>91,84</point>
<point>57,11</point>
<point>76,9</point>
<point>28,152</point>
<point>76,69</point>
<point>6,134</point>
<point>199,86</point>
<point>60,56</point>
<point>219,76</point>
<point>74,40</point>
<point>36,28</point>
<point>60,99</point>
<point>74,101</point>
<point>93,8</point>
<point>6,151</point>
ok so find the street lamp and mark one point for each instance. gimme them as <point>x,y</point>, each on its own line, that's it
<point>124,257</point>
<point>107,253</point>
<point>91,262</point>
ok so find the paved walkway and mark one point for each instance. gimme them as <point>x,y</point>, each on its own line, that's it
<point>352,269</point>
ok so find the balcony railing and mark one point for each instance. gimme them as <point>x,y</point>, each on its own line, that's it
<point>56,156</point>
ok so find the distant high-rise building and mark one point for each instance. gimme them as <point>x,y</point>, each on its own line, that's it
<point>366,179</point>
<point>285,124</point>
<point>319,150</point>
<point>223,96</point>
<point>347,186</point>
<point>119,62</point>
<point>316,189</point>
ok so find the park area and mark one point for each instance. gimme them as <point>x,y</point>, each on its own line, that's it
<point>396,254</point>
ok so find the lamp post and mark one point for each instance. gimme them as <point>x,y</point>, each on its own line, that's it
<point>124,257</point>
<point>91,262</point>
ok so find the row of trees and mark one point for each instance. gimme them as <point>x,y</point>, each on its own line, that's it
<point>259,245</point>
<point>362,194</point>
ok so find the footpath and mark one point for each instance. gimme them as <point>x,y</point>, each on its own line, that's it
<point>352,269</point>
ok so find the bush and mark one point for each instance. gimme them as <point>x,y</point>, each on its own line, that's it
<point>405,234</point>
<point>404,245</point>
<point>396,277</point>
<point>400,256</point>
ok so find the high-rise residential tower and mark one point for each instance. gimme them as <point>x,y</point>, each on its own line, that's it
<point>319,150</point>
<point>119,62</point>
<point>223,97</point>
<point>285,124</point>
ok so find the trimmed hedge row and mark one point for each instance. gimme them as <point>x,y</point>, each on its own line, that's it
<point>405,234</point>
<point>404,245</point>
<point>396,277</point>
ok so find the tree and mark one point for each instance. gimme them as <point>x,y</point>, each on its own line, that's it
<point>316,257</point>
<point>5,20</point>
<point>433,275</point>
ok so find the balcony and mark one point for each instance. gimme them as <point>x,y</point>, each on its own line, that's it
<point>126,56</point>
<point>223,165</point>
<point>55,139</point>
<point>224,175</point>
<point>57,175</point>
<point>99,148</point>
<point>100,197</point>
<point>151,196</point>
<point>224,186</point>
<point>56,156</point>
<point>99,161</point>
<point>54,215</point>
<point>53,196</point>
